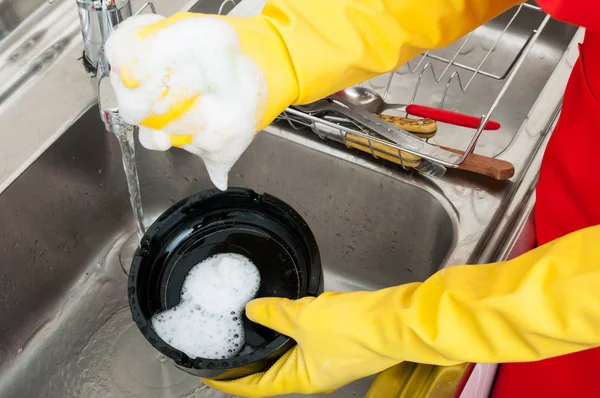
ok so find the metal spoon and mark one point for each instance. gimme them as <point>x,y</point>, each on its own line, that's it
<point>371,101</point>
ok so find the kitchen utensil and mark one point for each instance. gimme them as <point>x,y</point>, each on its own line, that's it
<point>405,159</point>
<point>371,122</point>
<point>371,101</point>
<point>260,227</point>
<point>358,142</point>
<point>494,168</point>
<point>422,128</point>
<point>497,169</point>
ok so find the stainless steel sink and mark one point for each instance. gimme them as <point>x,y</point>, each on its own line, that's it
<point>67,220</point>
<point>67,228</point>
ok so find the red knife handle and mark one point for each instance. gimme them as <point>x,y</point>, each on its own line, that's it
<point>444,116</point>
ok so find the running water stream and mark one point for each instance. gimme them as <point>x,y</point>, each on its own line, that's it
<point>109,113</point>
<point>133,184</point>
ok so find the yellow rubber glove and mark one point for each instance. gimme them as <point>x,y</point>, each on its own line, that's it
<point>257,40</point>
<point>335,44</point>
<point>542,304</point>
<point>203,83</point>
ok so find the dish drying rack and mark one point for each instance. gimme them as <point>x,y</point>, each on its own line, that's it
<point>462,77</point>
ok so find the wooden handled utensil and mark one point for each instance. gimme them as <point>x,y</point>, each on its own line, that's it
<point>491,167</point>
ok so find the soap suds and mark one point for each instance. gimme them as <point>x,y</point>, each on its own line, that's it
<point>197,57</point>
<point>207,323</point>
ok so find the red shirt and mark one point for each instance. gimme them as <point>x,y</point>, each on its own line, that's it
<point>568,199</point>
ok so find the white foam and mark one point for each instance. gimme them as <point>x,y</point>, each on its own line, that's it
<point>207,323</point>
<point>195,56</point>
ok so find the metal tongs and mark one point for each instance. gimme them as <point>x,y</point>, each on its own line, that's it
<point>368,121</point>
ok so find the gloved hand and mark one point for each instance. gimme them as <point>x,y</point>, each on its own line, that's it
<point>251,38</point>
<point>544,303</point>
<point>200,82</point>
<point>341,337</point>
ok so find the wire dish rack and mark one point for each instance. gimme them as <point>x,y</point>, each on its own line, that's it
<point>445,71</point>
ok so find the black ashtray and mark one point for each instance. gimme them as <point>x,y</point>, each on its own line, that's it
<point>260,227</point>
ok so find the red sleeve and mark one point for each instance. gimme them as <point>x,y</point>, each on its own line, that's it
<point>585,13</point>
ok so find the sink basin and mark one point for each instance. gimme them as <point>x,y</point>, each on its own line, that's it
<point>63,304</point>
<point>67,236</point>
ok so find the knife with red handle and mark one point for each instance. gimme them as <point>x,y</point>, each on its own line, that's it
<point>444,116</point>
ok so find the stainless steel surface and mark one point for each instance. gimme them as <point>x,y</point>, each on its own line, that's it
<point>65,330</point>
<point>14,12</point>
<point>78,213</point>
<point>403,139</point>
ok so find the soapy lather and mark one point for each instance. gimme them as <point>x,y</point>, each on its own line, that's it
<point>207,323</point>
<point>186,83</point>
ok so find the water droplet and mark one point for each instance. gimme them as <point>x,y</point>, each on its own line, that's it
<point>467,48</point>
<point>487,43</point>
<point>162,358</point>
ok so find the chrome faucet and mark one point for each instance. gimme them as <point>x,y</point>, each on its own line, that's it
<point>98,19</point>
